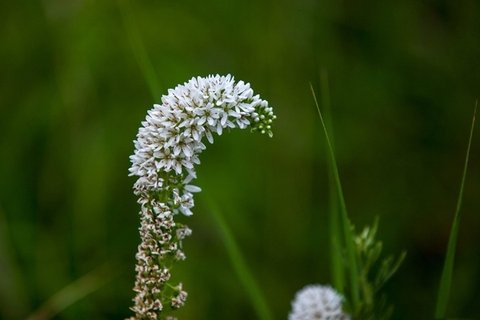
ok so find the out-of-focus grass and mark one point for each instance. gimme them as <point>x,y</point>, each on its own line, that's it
<point>239,264</point>
<point>138,48</point>
<point>72,97</point>
<point>74,292</point>
<point>12,288</point>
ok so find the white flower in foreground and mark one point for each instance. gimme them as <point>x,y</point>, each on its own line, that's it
<point>167,149</point>
<point>170,139</point>
<point>316,302</point>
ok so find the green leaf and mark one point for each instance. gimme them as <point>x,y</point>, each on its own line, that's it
<point>387,269</point>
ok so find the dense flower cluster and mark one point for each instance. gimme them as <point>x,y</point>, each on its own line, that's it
<point>167,148</point>
<point>317,302</point>
<point>170,138</point>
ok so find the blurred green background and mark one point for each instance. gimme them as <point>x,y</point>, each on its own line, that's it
<point>403,75</point>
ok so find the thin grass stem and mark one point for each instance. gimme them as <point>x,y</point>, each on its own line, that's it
<point>346,225</point>
<point>336,264</point>
<point>446,277</point>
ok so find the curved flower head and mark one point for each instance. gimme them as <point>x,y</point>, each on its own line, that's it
<point>317,302</point>
<point>167,149</point>
<point>173,133</point>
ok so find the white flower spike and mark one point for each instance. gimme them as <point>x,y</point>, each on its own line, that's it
<point>167,149</point>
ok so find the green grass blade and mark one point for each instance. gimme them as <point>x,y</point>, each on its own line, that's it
<point>74,292</point>
<point>13,291</point>
<point>246,278</point>
<point>446,278</point>
<point>326,104</point>
<point>336,259</point>
<point>336,264</point>
<point>345,222</point>
<point>138,48</point>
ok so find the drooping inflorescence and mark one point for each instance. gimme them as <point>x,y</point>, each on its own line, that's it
<point>317,302</point>
<point>167,148</point>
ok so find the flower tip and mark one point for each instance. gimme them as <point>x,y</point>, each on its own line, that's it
<point>192,188</point>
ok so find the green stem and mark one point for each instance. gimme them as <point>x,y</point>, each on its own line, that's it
<point>446,278</point>
<point>337,269</point>
<point>346,225</point>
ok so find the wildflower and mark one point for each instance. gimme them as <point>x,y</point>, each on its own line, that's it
<point>167,149</point>
<point>316,302</point>
<point>179,299</point>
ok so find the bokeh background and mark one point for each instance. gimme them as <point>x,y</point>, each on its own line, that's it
<point>403,75</point>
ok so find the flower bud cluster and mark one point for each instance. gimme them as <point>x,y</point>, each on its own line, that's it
<point>317,302</point>
<point>167,148</point>
<point>161,245</point>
